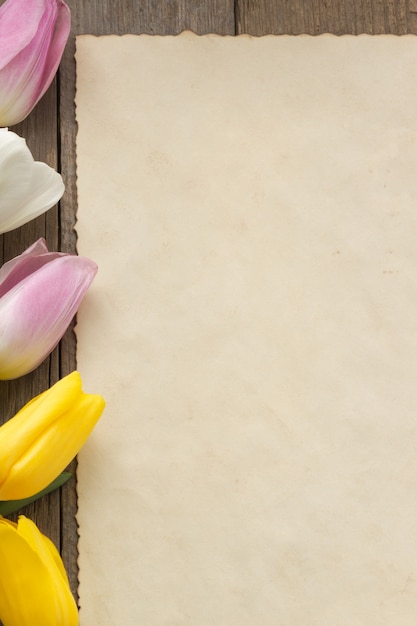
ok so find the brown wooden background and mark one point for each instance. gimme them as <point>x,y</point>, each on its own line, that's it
<point>50,133</point>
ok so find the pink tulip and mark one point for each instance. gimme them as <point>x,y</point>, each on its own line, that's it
<point>33,34</point>
<point>40,293</point>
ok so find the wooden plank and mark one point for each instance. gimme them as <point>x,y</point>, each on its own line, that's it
<point>314,17</point>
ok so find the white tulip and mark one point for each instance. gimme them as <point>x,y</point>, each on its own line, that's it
<point>28,188</point>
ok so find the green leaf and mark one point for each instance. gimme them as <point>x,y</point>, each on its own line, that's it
<point>10,506</point>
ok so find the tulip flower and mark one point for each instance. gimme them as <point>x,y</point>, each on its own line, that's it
<point>40,292</point>
<point>33,34</point>
<point>28,188</point>
<point>44,436</point>
<point>34,588</point>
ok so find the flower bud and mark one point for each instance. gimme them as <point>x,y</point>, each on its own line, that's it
<point>28,188</point>
<point>40,292</point>
<point>34,586</point>
<point>39,442</point>
<point>33,35</point>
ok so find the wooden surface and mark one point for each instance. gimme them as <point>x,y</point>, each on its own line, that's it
<point>50,132</point>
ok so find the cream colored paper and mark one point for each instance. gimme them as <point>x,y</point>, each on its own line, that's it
<point>252,206</point>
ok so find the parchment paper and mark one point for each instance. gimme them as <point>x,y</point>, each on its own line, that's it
<point>251,204</point>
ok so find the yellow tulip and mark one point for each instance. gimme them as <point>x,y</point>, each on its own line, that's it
<point>34,589</point>
<point>44,436</point>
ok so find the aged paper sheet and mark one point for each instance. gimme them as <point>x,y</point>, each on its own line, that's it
<point>252,206</point>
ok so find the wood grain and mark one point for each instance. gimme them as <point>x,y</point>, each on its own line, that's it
<point>51,133</point>
<point>314,17</point>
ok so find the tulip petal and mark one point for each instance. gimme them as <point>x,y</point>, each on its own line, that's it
<point>41,545</point>
<point>44,436</point>
<point>34,39</point>
<point>57,45</point>
<point>76,432</point>
<point>18,27</point>
<point>28,188</point>
<point>33,584</point>
<point>32,259</point>
<point>36,249</point>
<point>21,80</point>
<point>17,434</point>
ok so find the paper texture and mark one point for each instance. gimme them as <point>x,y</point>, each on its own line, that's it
<point>251,204</point>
